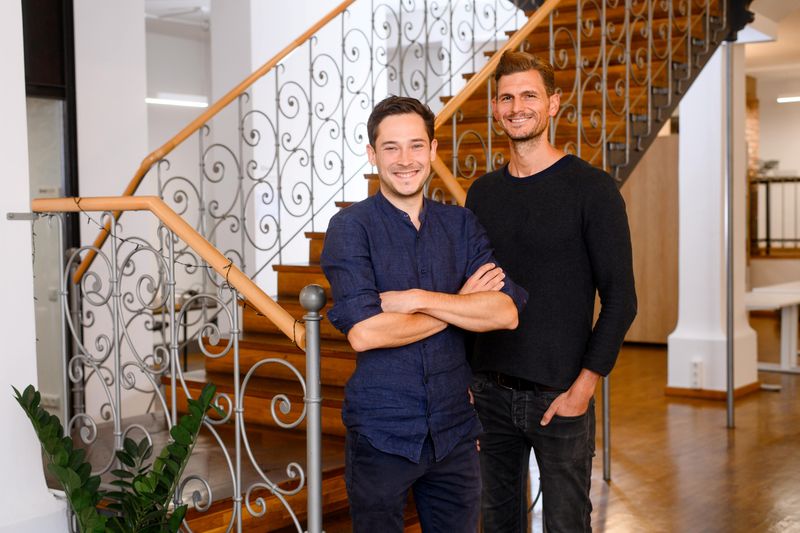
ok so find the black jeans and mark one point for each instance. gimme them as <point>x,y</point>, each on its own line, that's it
<point>447,493</point>
<point>564,450</point>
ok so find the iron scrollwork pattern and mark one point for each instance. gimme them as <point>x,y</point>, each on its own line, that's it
<point>131,291</point>
<point>618,66</point>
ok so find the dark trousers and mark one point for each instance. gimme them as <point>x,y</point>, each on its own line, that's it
<point>564,450</point>
<point>447,493</point>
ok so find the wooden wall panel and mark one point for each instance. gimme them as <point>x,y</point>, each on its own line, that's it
<point>651,197</point>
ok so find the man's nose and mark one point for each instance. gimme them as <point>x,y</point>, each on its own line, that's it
<point>404,156</point>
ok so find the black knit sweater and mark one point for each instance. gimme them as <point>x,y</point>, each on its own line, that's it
<point>561,234</point>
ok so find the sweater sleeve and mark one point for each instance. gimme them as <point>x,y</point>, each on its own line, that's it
<point>608,244</point>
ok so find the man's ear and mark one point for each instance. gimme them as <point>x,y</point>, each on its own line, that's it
<point>434,145</point>
<point>371,155</point>
<point>555,104</point>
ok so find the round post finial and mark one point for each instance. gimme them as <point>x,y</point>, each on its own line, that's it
<point>312,298</point>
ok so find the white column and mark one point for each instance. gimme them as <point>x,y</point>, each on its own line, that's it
<point>697,353</point>
<point>26,505</point>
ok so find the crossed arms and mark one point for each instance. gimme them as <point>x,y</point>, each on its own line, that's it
<point>415,314</point>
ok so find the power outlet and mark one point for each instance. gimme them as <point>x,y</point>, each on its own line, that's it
<point>697,374</point>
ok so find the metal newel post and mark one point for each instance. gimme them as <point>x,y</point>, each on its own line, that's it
<point>312,298</point>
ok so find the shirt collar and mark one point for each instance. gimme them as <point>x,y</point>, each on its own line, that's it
<point>387,207</point>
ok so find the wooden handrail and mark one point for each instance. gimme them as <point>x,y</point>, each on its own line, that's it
<point>477,82</point>
<point>456,191</point>
<point>221,265</point>
<point>197,123</point>
<point>479,79</point>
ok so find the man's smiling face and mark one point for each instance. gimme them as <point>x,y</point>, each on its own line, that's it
<point>403,154</point>
<point>522,107</point>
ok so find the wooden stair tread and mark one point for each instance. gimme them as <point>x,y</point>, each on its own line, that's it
<point>275,342</point>
<point>257,323</point>
<point>297,267</point>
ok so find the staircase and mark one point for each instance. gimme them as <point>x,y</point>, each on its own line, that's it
<point>620,72</point>
<point>618,87</point>
<point>278,447</point>
<point>626,136</point>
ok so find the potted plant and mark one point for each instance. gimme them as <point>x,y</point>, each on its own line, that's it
<point>143,491</point>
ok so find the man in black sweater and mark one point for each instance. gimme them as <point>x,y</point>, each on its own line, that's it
<point>560,230</point>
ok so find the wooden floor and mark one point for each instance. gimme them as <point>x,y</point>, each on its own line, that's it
<point>676,467</point>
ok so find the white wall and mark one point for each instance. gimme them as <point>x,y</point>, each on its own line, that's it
<point>178,62</point>
<point>110,70</point>
<point>25,503</point>
<point>773,271</point>
<point>779,127</point>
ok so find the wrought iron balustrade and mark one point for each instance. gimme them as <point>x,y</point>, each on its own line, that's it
<point>272,164</point>
<point>775,216</point>
<point>132,289</point>
<point>621,67</point>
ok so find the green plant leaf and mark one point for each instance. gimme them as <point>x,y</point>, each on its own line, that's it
<point>76,458</point>
<point>144,446</point>
<point>92,484</point>
<point>122,473</point>
<point>27,396</point>
<point>61,458</point>
<point>181,435</point>
<point>130,447</point>
<point>177,451</point>
<point>81,498</point>
<point>68,478</point>
<point>84,471</point>
<point>177,517</point>
<point>126,459</point>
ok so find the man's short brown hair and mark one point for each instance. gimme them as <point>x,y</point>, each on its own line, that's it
<point>398,105</point>
<point>513,61</point>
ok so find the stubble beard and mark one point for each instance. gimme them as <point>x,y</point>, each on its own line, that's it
<point>534,135</point>
<point>387,182</point>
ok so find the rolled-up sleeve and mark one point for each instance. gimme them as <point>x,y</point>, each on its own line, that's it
<point>347,264</point>
<point>481,252</point>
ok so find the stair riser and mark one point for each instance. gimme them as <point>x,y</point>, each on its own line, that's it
<point>334,496</point>
<point>333,371</point>
<point>257,412</point>
<point>291,283</point>
<point>314,250</point>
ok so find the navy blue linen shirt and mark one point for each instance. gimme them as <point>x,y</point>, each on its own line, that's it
<point>396,396</point>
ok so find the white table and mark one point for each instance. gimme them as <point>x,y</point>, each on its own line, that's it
<point>786,297</point>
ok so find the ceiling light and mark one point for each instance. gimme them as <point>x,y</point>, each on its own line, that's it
<point>181,100</point>
<point>788,99</point>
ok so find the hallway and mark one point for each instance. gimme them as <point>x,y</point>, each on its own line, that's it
<point>675,467</point>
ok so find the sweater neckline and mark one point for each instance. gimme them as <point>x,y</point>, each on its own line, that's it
<point>549,171</point>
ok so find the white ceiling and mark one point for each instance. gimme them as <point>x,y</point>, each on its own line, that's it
<point>189,12</point>
<point>779,59</point>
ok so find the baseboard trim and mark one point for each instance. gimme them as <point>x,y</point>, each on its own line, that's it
<point>706,394</point>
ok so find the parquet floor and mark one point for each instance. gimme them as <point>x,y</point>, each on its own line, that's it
<point>677,468</point>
